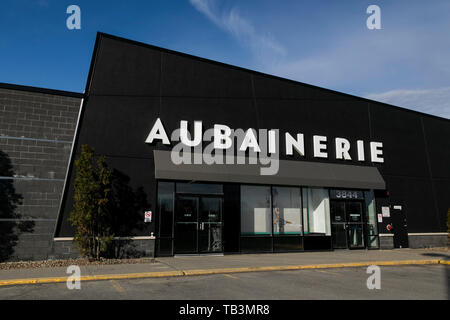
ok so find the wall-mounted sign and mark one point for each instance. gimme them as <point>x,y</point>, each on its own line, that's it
<point>147,216</point>
<point>386,212</point>
<point>398,207</point>
<point>380,217</point>
<point>222,137</point>
<point>346,194</point>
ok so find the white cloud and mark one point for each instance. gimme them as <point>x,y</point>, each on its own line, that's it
<point>356,62</point>
<point>364,59</point>
<point>263,46</point>
<point>432,101</point>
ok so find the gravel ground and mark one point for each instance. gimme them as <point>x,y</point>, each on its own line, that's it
<point>66,263</point>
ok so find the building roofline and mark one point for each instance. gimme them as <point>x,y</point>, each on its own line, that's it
<point>18,87</point>
<point>142,44</point>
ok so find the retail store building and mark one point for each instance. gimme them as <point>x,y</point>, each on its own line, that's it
<point>351,173</point>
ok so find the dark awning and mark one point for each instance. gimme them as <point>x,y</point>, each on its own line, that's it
<point>291,172</point>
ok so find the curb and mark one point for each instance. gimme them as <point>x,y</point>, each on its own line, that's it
<point>198,272</point>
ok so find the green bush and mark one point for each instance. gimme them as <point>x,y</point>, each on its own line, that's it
<point>90,214</point>
<point>448,220</point>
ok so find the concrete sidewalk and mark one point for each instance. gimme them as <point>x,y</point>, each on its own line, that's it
<point>192,265</point>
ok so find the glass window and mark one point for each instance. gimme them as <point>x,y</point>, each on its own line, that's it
<point>337,211</point>
<point>354,211</point>
<point>371,219</point>
<point>199,188</point>
<point>165,207</point>
<point>316,211</point>
<point>287,215</point>
<point>210,209</point>
<point>187,209</point>
<point>355,236</point>
<point>165,246</point>
<point>256,218</point>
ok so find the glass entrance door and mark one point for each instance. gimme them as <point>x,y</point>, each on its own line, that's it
<point>210,225</point>
<point>347,224</point>
<point>355,233</point>
<point>338,225</point>
<point>186,224</point>
<point>198,224</point>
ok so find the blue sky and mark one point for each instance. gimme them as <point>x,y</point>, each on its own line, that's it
<point>324,43</point>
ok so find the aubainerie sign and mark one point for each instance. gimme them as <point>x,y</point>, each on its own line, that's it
<point>222,137</point>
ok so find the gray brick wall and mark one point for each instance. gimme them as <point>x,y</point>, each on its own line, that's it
<point>428,241</point>
<point>36,134</point>
<point>386,242</point>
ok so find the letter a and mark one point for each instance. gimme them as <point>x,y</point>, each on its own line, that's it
<point>158,132</point>
<point>74,20</point>
<point>373,21</point>
<point>374,281</point>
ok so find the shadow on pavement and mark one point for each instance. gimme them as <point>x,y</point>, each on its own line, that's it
<point>447,268</point>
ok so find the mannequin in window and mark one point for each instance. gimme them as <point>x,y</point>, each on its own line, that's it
<point>280,221</point>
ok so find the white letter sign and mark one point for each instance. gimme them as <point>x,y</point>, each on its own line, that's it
<point>158,132</point>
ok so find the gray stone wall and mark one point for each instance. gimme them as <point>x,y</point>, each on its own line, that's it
<point>386,242</point>
<point>36,134</point>
<point>428,240</point>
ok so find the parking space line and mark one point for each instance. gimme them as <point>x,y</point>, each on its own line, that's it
<point>118,287</point>
<point>323,271</point>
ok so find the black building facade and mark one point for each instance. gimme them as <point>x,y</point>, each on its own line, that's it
<point>352,173</point>
<point>311,203</point>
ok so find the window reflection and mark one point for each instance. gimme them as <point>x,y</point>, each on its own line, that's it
<point>165,206</point>
<point>316,211</point>
<point>287,215</point>
<point>255,210</point>
<point>199,188</point>
<point>371,219</point>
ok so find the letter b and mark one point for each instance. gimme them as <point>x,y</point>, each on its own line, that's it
<point>222,138</point>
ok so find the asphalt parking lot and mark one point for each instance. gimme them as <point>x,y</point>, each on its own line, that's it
<point>397,282</point>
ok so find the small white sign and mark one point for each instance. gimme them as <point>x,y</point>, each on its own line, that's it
<point>398,207</point>
<point>385,211</point>
<point>380,217</point>
<point>147,216</point>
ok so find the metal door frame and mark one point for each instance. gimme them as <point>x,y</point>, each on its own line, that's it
<point>346,223</point>
<point>198,196</point>
<point>404,227</point>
